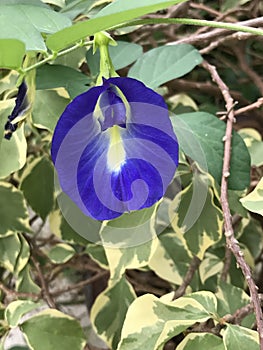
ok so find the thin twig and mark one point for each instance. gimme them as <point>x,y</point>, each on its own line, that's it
<point>46,294</point>
<point>188,277</point>
<point>250,107</point>
<point>229,231</point>
<point>81,284</point>
<point>16,294</point>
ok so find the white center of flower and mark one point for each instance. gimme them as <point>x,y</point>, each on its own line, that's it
<point>116,154</point>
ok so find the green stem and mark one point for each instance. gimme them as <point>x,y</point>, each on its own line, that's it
<point>194,22</point>
<point>54,55</point>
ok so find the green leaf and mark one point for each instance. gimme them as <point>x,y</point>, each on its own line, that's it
<point>26,23</point>
<point>196,216</point>
<point>9,251</point>
<point>12,152</point>
<point>165,63</point>
<point>211,265</point>
<point>201,341</point>
<point>17,309</point>
<point>61,253</point>
<point>200,136</point>
<point>55,76</point>
<point>251,228</point>
<point>150,322</point>
<point>165,263</point>
<point>24,282</point>
<point>121,56</point>
<point>117,12</point>
<point>230,299</point>
<point>254,144</point>
<point>13,210</point>
<point>47,109</point>
<point>53,327</point>
<point>12,52</point>
<point>38,186</point>
<point>236,337</point>
<point>254,200</point>
<point>109,311</point>
<point>24,255</point>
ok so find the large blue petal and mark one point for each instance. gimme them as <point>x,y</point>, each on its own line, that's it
<point>82,144</point>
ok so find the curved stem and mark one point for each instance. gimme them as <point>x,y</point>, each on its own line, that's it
<point>195,22</point>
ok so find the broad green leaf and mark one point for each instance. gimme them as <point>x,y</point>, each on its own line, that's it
<point>13,210</point>
<point>51,327</point>
<point>24,282</point>
<point>75,8</point>
<point>9,251</point>
<point>12,52</point>
<point>165,63</point>
<point>97,253</point>
<point>196,216</point>
<point>251,228</point>
<point>210,266</point>
<point>150,322</point>
<point>201,341</point>
<point>121,55</point>
<point>254,144</point>
<point>38,186</point>
<point>118,12</point>
<point>12,152</point>
<point>129,241</point>
<point>27,22</point>
<point>236,337</point>
<point>63,230</point>
<point>75,222</point>
<point>61,253</point>
<point>109,311</point>
<point>47,109</point>
<point>55,76</point>
<point>254,200</point>
<point>17,309</point>
<point>170,260</point>
<point>230,299</point>
<point>201,134</point>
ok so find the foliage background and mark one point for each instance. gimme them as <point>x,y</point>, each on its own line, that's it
<point>47,269</point>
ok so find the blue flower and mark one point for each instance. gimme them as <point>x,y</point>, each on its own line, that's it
<point>21,106</point>
<point>114,148</point>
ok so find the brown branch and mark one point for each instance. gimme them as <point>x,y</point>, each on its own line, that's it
<point>188,277</point>
<point>13,293</point>
<point>45,291</point>
<point>229,231</point>
<point>250,107</point>
<point>81,284</point>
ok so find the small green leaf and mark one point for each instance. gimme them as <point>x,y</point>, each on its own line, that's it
<point>13,210</point>
<point>254,144</point>
<point>24,282</point>
<point>200,136</point>
<point>12,52</point>
<point>9,251</point>
<point>51,327</point>
<point>254,200</point>
<point>201,341</point>
<point>47,109</point>
<point>61,253</point>
<point>12,152</point>
<point>165,63</point>
<point>27,22</point>
<point>117,12</point>
<point>17,309</point>
<point>38,186</point>
<point>196,216</point>
<point>210,266</point>
<point>237,337</point>
<point>55,76</point>
<point>109,311</point>
<point>230,299</point>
